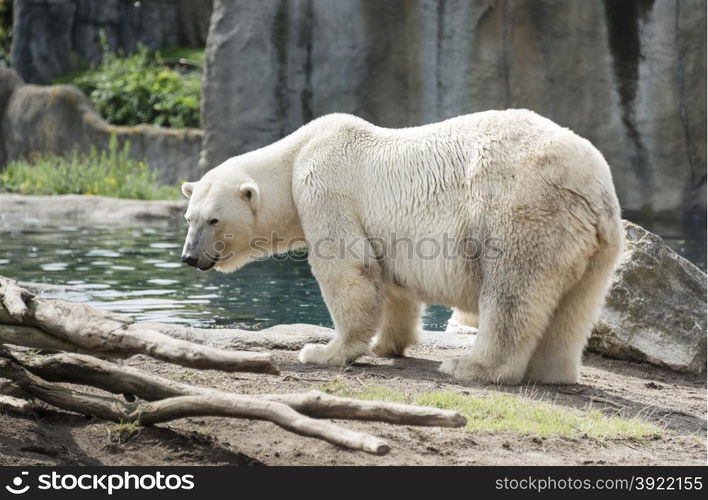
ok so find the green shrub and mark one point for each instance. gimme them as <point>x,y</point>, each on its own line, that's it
<point>107,173</point>
<point>141,88</point>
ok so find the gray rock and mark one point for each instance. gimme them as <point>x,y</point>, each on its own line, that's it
<point>656,307</point>
<point>18,210</point>
<point>9,81</point>
<point>42,38</point>
<point>58,119</point>
<point>54,37</point>
<point>630,76</point>
<point>193,18</point>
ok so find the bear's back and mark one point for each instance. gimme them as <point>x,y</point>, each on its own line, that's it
<point>421,174</point>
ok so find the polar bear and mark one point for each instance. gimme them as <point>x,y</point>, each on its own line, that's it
<point>504,216</point>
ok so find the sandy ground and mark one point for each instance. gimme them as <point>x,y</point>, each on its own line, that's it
<point>676,402</point>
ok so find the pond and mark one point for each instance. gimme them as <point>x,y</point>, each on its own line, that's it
<point>137,271</point>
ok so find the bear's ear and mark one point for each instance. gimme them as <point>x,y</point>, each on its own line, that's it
<point>187,188</point>
<point>250,192</point>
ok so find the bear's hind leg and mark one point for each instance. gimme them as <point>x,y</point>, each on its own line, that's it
<point>515,306</point>
<point>463,322</point>
<point>557,357</point>
<point>510,327</point>
<point>401,324</point>
<point>559,353</point>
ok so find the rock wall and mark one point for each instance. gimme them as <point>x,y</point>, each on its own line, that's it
<point>629,75</point>
<point>54,37</point>
<point>58,119</point>
<point>9,82</point>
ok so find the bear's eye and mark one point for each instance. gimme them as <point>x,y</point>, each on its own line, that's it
<point>213,221</point>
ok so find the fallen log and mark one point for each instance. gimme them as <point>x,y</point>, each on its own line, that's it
<point>212,404</point>
<point>29,336</point>
<point>13,298</point>
<point>78,369</point>
<point>11,389</point>
<point>55,324</point>
<point>12,403</point>
<point>30,321</point>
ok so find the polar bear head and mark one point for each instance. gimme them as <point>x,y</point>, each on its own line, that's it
<point>221,216</point>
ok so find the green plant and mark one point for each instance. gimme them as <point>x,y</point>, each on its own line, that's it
<point>122,432</point>
<point>141,88</point>
<point>109,173</point>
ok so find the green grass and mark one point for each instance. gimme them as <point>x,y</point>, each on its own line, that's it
<point>499,412</point>
<point>107,173</point>
<point>122,432</point>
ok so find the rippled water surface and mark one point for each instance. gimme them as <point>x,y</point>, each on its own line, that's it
<point>137,271</point>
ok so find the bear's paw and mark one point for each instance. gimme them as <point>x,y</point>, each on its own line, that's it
<point>332,354</point>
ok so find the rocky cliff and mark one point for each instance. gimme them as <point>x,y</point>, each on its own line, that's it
<point>54,37</point>
<point>629,75</point>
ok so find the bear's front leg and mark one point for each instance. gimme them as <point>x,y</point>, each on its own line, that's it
<point>352,290</point>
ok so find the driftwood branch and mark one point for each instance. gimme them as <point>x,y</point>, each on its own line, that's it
<point>12,397</point>
<point>78,369</point>
<point>13,403</point>
<point>11,389</point>
<point>55,324</point>
<point>13,298</point>
<point>30,336</point>
<point>213,404</point>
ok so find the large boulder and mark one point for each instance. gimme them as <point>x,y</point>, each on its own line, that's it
<point>656,307</point>
<point>59,119</point>
<point>54,37</point>
<point>629,75</point>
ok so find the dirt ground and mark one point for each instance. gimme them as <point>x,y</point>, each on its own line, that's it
<point>675,402</point>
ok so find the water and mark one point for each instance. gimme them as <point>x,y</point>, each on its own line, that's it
<point>137,271</point>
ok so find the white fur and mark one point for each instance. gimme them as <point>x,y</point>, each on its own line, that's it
<point>462,322</point>
<point>539,196</point>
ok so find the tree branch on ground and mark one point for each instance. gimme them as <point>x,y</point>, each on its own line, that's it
<point>55,325</point>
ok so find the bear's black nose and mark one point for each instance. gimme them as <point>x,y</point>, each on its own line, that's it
<point>190,261</point>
